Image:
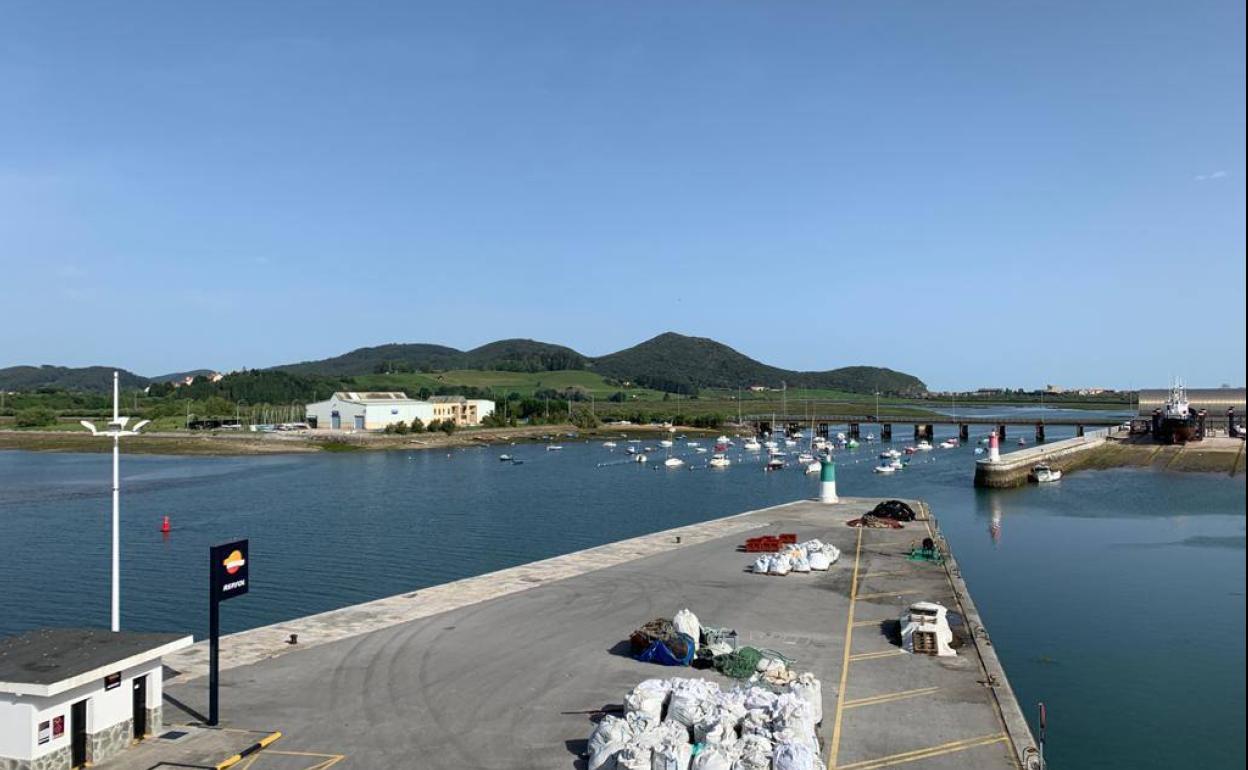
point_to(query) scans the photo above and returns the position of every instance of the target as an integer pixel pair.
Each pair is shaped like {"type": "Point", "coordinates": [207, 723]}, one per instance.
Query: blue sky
{"type": "Point", "coordinates": [980, 193]}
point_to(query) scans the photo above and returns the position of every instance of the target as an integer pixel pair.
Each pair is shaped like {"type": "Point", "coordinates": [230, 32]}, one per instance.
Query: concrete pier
{"type": "Point", "coordinates": [1014, 468]}
{"type": "Point", "coordinates": [508, 670]}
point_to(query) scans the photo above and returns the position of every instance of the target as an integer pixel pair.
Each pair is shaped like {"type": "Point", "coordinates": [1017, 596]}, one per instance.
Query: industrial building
{"type": "Point", "coordinates": [348, 410]}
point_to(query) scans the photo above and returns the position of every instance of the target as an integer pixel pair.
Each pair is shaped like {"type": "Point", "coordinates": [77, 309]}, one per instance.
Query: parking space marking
{"type": "Point", "coordinates": [927, 753]}
{"type": "Point", "coordinates": [849, 638]}
{"type": "Point", "coordinates": [877, 654]}
{"type": "Point", "coordinates": [884, 594]}
{"type": "Point", "coordinates": [889, 697]}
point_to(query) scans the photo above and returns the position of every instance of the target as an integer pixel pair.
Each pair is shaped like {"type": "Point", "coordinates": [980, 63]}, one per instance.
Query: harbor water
{"type": "Point", "coordinates": [1116, 597]}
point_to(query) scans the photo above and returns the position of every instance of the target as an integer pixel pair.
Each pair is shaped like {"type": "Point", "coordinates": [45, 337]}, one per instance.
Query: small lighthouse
{"type": "Point", "coordinates": [994, 448]}
{"type": "Point", "coordinates": [827, 481]}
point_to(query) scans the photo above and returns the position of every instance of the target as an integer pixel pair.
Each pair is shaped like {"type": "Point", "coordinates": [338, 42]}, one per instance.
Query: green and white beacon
{"type": "Point", "coordinates": [827, 481]}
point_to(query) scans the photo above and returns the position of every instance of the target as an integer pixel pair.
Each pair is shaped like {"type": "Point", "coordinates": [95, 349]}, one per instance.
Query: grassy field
{"type": "Point", "coordinates": [524, 383]}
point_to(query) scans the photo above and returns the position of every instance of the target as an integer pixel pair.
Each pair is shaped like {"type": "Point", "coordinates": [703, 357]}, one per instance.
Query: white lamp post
{"type": "Point", "coordinates": [116, 429]}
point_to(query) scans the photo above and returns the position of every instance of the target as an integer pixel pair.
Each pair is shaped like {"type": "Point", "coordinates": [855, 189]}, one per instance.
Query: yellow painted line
{"type": "Point", "coordinates": [927, 753]}
{"type": "Point", "coordinates": [327, 760]}
{"type": "Point", "coordinates": [878, 654]}
{"type": "Point", "coordinates": [252, 749]}
{"type": "Point", "coordinates": [890, 697]}
{"type": "Point", "coordinates": [849, 638]}
{"type": "Point", "coordinates": [883, 594]}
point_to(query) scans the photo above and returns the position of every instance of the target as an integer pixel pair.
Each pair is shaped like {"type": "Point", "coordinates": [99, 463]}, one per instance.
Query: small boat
{"type": "Point", "coordinates": [813, 467]}
{"type": "Point", "coordinates": [949, 444]}
{"type": "Point", "coordinates": [505, 458]}
{"type": "Point", "coordinates": [775, 463]}
{"type": "Point", "coordinates": [790, 442]}
{"type": "Point", "coordinates": [665, 443]}
{"type": "Point", "coordinates": [979, 450]}
{"type": "Point", "coordinates": [609, 444]}
{"type": "Point", "coordinates": [870, 437]}
{"type": "Point", "coordinates": [719, 461]}
{"type": "Point", "coordinates": [723, 440]}
{"type": "Point", "coordinates": [720, 446]}
{"type": "Point", "coordinates": [639, 458]}
{"type": "Point", "coordinates": [700, 450]}
{"type": "Point", "coordinates": [911, 450]}
{"type": "Point", "coordinates": [692, 444]}
{"type": "Point", "coordinates": [632, 450]}
{"type": "Point", "coordinates": [889, 454]}
{"type": "Point", "coordinates": [1043, 474]}
{"type": "Point", "coordinates": [805, 458]}
{"type": "Point", "coordinates": [673, 462]}
{"type": "Point", "coordinates": [554, 448]}
{"type": "Point", "coordinates": [752, 445]}
{"type": "Point", "coordinates": [771, 444]}
{"type": "Point", "coordinates": [884, 468]}
{"type": "Point", "coordinates": [840, 437]}
{"type": "Point", "coordinates": [897, 464]}
{"type": "Point", "coordinates": [852, 443]}
{"type": "Point", "coordinates": [1022, 442]}
{"type": "Point", "coordinates": [923, 446]}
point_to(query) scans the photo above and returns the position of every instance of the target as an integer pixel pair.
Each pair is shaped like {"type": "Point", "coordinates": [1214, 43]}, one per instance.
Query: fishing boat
{"type": "Point", "coordinates": [673, 462]}
{"type": "Point", "coordinates": [889, 454]}
{"type": "Point", "coordinates": [752, 445]}
{"type": "Point", "coordinates": [923, 446]}
{"type": "Point", "coordinates": [719, 461]}
{"type": "Point", "coordinates": [1043, 474]}
{"type": "Point", "coordinates": [721, 446]}
{"type": "Point", "coordinates": [775, 463]}
{"type": "Point", "coordinates": [1175, 422]}
{"type": "Point", "coordinates": [504, 458]}
{"type": "Point", "coordinates": [884, 468]}
{"type": "Point", "coordinates": [609, 444]}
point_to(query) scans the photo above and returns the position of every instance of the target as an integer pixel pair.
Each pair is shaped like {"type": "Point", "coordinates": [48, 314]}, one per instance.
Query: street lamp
{"type": "Point", "coordinates": [116, 429]}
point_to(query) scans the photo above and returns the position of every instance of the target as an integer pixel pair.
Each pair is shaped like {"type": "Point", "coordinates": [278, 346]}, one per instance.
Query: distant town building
{"type": "Point", "coordinates": [348, 410]}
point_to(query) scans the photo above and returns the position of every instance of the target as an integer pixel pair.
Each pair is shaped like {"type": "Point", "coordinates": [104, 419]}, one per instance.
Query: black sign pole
{"type": "Point", "coordinates": [214, 642]}
{"type": "Point", "coordinates": [228, 577]}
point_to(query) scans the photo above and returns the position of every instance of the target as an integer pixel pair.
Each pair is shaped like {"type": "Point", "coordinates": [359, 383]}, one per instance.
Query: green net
{"type": "Point", "coordinates": [742, 663]}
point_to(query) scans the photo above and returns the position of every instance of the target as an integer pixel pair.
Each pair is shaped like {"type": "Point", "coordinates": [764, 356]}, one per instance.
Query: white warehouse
{"type": "Point", "coordinates": [374, 411]}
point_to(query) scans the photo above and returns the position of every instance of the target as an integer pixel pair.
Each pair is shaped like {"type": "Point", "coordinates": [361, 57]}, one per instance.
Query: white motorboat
{"type": "Point", "coordinates": [1043, 474]}
{"type": "Point", "coordinates": [790, 442]}
{"type": "Point", "coordinates": [692, 444]}
{"type": "Point", "coordinates": [609, 444]}
{"type": "Point", "coordinates": [553, 448]}
{"type": "Point", "coordinates": [884, 468]}
{"type": "Point", "coordinates": [752, 445]}
{"type": "Point", "coordinates": [979, 450]}
{"type": "Point", "coordinates": [665, 443]}
{"type": "Point", "coordinates": [632, 450]}
{"type": "Point", "coordinates": [673, 462]}
{"type": "Point", "coordinates": [719, 461]}
{"type": "Point", "coordinates": [840, 437]}
{"type": "Point", "coordinates": [775, 463]}
{"type": "Point", "coordinates": [889, 454]}
{"type": "Point", "coordinates": [700, 450]}
{"type": "Point", "coordinates": [813, 467]}
{"type": "Point", "coordinates": [724, 440]}
{"type": "Point", "coordinates": [639, 458]}
{"type": "Point", "coordinates": [949, 444]}
{"type": "Point", "coordinates": [870, 437]}
{"type": "Point", "coordinates": [771, 444]}
{"type": "Point", "coordinates": [896, 464]}
{"type": "Point", "coordinates": [805, 457]}
{"type": "Point", "coordinates": [923, 446]}
{"type": "Point", "coordinates": [504, 458]}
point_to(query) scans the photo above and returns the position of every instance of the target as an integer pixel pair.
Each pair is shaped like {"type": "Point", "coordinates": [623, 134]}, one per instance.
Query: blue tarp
{"type": "Point", "coordinates": [660, 653]}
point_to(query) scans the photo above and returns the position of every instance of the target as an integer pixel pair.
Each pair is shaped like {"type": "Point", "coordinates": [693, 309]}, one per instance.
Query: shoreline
{"type": "Point", "coordinates": [236, 443]}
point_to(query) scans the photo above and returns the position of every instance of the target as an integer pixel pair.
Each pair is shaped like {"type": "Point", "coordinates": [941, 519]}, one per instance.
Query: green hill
{"type": "Point", "coordinates": [515, 355]}
{"type": "Point", "coordinates": [87, 378]}
{"type": "Point", "coordinates": [676, 363]}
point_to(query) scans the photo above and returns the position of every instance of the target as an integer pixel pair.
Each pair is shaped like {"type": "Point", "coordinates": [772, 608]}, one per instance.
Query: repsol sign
{"type": "Point", "coordinates": [229, 570]}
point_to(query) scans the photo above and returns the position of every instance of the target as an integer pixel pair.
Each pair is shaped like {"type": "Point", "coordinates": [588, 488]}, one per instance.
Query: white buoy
{"type": "Point", "coordinates": [827, 482]}
{"type": "Point", "coordinates": [994, 448]}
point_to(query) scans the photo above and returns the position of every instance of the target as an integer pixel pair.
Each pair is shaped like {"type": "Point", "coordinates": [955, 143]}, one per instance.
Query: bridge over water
{"type": "Point", "coordinates": [924, 427]}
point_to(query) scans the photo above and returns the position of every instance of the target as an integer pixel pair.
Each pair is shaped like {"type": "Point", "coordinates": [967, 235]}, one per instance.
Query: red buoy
{"type": "Point", "coordinates": [164, 525]}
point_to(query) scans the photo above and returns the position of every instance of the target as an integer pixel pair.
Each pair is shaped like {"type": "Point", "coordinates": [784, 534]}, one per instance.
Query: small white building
{"type": "Point", "coordinates": [76, 696]}
{"type": "Point", "coordinates": [367, 411]}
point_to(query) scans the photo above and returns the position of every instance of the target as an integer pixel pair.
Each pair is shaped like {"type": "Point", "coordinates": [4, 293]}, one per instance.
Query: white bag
{"type": "Point", "coordinates": [793, 756]}
{"type": "Point", "coordinates": [634, 757]}
{"type": "Point", "coordinates": [671, 757]}
{"type": "Point", "coordinates": [755, 753]}
{"type": "Point", "coordinates": [648, 698]}
{"type": "Point", "coordinates": [780, 565]}
{"type": "Point", "coordinates": [686, 707]}
{"type": "Point", "coordinates": [800, 564]}
{"type": "Point", "coordinates": [832, 552]}
{"type": "Point", "coordinates": [762, 564]}
{"type": "Point", "coordinates": [713, 758]}
{"type": "Point", "coordinates": [611, 729]}
{"type": "Point", "coordinates": [808, 687]}
{"type": "Point", "coordinates": [604, 757]}
{"type": "Point", "coordinates": [819, 560]}
{"type": "Point", "coordinates": [685, 622]}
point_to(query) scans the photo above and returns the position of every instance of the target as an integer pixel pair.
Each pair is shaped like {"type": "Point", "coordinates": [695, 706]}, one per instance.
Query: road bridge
{"type": "Point", "coordinates": [924, 427]}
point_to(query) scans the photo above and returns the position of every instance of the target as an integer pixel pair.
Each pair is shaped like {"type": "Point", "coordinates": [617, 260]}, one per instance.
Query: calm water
{"type": "Point", "coordinates": [1116, 597]}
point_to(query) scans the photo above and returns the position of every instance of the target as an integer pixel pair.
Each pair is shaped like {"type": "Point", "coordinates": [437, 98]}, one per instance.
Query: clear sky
{"type": "Point", "coordinates": [988, 192]}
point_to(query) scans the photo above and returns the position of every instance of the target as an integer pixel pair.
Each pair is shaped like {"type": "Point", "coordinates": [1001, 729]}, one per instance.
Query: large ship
{"type": "Point", "coordinates": [1176, 422]}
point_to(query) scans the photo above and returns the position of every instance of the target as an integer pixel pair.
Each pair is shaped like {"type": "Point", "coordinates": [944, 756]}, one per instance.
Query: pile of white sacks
{"type": "Point", "coordinates": [691, 724]}
{"type": "Point", "coordinates": [803, 557]}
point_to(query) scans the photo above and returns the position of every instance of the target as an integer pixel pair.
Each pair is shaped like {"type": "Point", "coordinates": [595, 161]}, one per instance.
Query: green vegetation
{"type": "Point", "coordinates": [35, 417]}
{"type": "Point", "coordinates": [85, 379]}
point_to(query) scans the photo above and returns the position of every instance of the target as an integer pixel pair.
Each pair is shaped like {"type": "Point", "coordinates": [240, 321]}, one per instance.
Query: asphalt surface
{"type": "Point", "coordinates": [517, 681]}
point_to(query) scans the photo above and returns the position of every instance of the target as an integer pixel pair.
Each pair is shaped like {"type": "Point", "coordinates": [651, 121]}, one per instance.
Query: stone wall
{"type": "Point", "coordinates": [60, 759]}
{"type": "Point", "coordinates": [1014, 468]}
{"type": "Point", "coordinates": [109, 742]}
{"type": "Point", "coordinates": [155, 720]}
